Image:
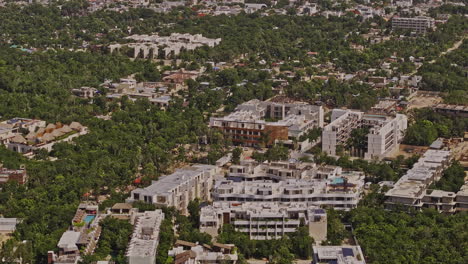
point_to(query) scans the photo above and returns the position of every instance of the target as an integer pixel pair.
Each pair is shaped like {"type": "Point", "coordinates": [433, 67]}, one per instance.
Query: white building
{"type": "Point", "coordinates": [411, 190]}
{"type": "Point", "coordinates": [385, 132]}
{"type": "Point", "coordinates": [416, 24]}
{"type": "Point", "coordinates": [143, 245]}
{"type": "Point", "coordinates": [150, 46]}
{"type": "Point", "coordinates": [263, 221]}
{"type": "Point", "coordinates": [340, 192]}
{"type": "Point", "coordinates": [178, 188]}
{"type": "Point", "coordinates": [191, 253]}
{"type": "Point", "coordinates": [250, 170]}
{"type": "Point", "coordinates": [338, 255]}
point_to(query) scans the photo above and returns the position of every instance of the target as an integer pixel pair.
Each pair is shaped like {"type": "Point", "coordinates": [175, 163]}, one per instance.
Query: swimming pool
{"type": "Point", "coordinates": [89, 218]}
{"type": "Point", "coordinates": [338, 181]}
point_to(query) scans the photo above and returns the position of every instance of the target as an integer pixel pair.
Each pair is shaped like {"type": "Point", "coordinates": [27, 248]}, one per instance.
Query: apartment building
{"type": "Point", "coordinates": [462, 198]}
{"type": "Point", "coordinates": [191, 253]}
{"type": "Point", "coordinates": [154, 46]}
{"type": "Point", "coordinates": [341, 192]}
{"type": "Point", "coordinates": [418, 25]}
{"type": "Point", "coordinates": [338, 255]}
{"type": "Point", "coordinates": [142, 248]}
{"type": "Point", "coordinates": [256, 122]}
{"type": "Point", "coordinates": [264, 221]}
{"type": "Point", "coordinates": [250, 170]}
{"type": "Point", "coordinates": [385, 131]}
{"type": "Point", "coordinates": [412, 189]}
{"type": "Point", "coordinates": [337, 133]}
{"type": "Point", "coordinates": [178, 188]}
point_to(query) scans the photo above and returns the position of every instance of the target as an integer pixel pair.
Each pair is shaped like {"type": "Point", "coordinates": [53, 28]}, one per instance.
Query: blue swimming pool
{"type": "Point", "coordinates": [338, 181]}
{"type": "Point", "coordinates": [89, 218]}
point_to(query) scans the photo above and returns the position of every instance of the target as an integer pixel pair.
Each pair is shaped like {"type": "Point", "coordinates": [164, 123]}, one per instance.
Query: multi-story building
{"type": "Point", "coordinates": [337, 133]}
{"type": "Point", "coordinates": [250, 170]}
{"type": "Point", "coordinates": [178, 188]}
{"type": "Point", "coordinates": [248, 124]}
{"type": "Point", "coordinates": [191, 253]}
{"type": "Point", "coordinates": [338, 255]}
{"type": "Point", "coordinates": [411, 190]}
{"type": "Point", "coordinates": [143, 245]}
{"type": "Point", "coordinates": [152, 46]}
{"type": "Point", "coordinates": [462, 198]}
{"type": "Point", "coordinates": [81, 238]}
{"type": "Point", "coordinates": [264, 221]}
{"type": "Point", "coordinates": [385, 131]}
{"type": "Point", "coordinates": [20, 176]}
{"type": "Point", "coordinates": [326, 188]}
{"type": "Point", "coordinates": [416, 24]}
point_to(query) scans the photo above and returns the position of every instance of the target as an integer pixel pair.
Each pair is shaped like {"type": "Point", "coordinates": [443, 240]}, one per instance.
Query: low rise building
{"type": "Point", "coordinates": [264, 221]}
{"type": "Point", "coordinates": [84, 92]}
{"type": "Point", "coordinates": [338, 255]}
{"type": "Point", "coordinates": [20, 176]}
{"type": "Point", "coordinates": [191, 253]}
{"type": "Point", "coordinates": [25, 125]}
{"type": "Point", "coordinates": [152, 46]}
{"type": "Point", "coordinates": [178, 188]}
{"type": "Point", "coordinates": [8, 225]}
{"type": "Point", "coordinates": [45, 137]}
{"type": "Point", "coordinates": [143, 245]}
{"type": "Point", "coordinates": [412, 189]}
{"type": "Point", "coordinates": [81, 238]}
{"type": "Point", "coordinates": [453, 110]}
{"type": "Point", "coordinates": [264, 122]}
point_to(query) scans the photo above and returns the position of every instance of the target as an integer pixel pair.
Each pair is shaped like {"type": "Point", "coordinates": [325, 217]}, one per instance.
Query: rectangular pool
{"type": "Point", "coordinates": [89, 218]}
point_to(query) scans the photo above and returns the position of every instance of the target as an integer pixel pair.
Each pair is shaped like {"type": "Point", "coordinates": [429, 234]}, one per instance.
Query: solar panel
{"type": "Point", "coordinates": [348, 252]}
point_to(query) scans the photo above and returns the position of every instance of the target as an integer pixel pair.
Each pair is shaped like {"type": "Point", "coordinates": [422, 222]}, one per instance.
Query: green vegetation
{"type": "Point", "coordinates": [336, 231]}
{"type": "Point", "coordinates": [113, 241]}
{"type": "Point", "coordinates": [283, 250]}
{"type": "Point", "coordinates": [393, 237]}
{"type": "Point", "coordinates": [140, 139]}
{"type": "Point", "coordinates": [275, 153]}
{"type": "Point", "coordinates": [452, 179]}
{"type": "Point", "coordinates": [448, 73]}
{"type": "Point", "coordinates": [430, 125]}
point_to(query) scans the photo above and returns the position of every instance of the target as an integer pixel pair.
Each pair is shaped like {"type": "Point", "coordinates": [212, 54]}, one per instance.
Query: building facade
{"type": "Point", "coordinates": [386, 131]}
{"type": "Point", "coordinates": [248, 124]}
{"type": "Point", "coordinates": [264, 221]}
{"type": "Point", "coordinates": [291, 182]}
{"type": "Point", "coordinates": [179, 188]}
{"type": "Point", "coordinates": [416, 24]}
{"type": "Point", "coordinates": [412, 189]}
